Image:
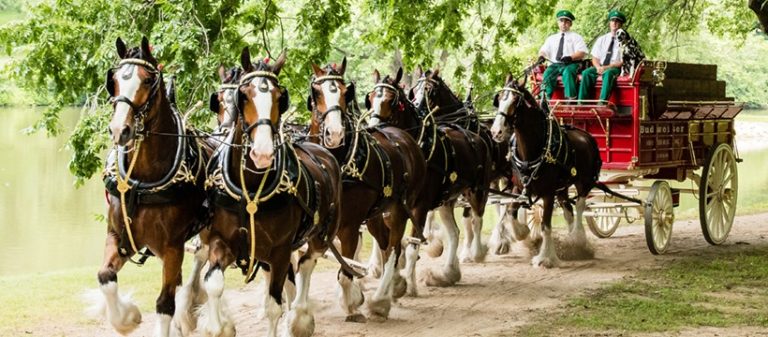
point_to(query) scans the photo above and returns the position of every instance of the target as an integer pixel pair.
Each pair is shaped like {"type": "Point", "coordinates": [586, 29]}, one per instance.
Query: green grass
{"type": "Point", "coordinates": [720, 291]}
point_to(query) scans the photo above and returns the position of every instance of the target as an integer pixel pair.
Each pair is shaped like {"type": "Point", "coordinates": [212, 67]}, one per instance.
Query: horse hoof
{"type": "Point", "coordinates": [502, 248]}
{"type": "Point", "coordinates": [543, 262]}
{"type": "Point", "coordinates": [445, 279]}
{"type": "Point", "coordinates": [379, 309]}
{"type": "Point", "coordinates": [130, 321]}
{"type": "Point", "coordinates": [356, 318]}
{"type": "Point", "coordinates": [301, 322]}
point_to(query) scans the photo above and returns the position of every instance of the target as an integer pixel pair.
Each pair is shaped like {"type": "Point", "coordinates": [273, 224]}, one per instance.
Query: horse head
{"type": "Point", "coordinates": [223, 102]}
{"type": "Point", "coordinates": [133, 86]}
{"type": "Point", "coordinates": [385, 99]}
{"type": "Point", "coordinates": [328, 100]}
{"type": "Point", "coordinates": [431, 92]}
{"type": "Point", "coordinates": [508, 102]}
{"type": "Point", "coordinates": [261, 101]}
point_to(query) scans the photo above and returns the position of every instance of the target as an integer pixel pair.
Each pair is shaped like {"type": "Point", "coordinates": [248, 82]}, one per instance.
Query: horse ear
{"type": "Point", "coordinates": [222, 72]}
{"type": "Point", "coordinates": [496, 100]}
{"type": "Point", "coordinates": [315, 69]}
{"type": "Point", "coordinates": [521, 82]}
{"type": "Point", "coordinates": [309, 102]}
{"type": "Point", "coordinates": [121, 49]}
{"type": "Point", "coordinates": [508, 79]}
{"type": "Point", "coordinates": [349, 96]}
{"type": "Point", "coordinates": [417, 74]}
{"type": "Point", "coordinates": [399, 75]}
{"type": "Point", "coordinates": [376, 76]}
{"type": "Point", "coordinates": [280, 62]}
{"type": "Point", "coordinates": [213, 103]}
{"type": "Point", "coordinates": [435, 73]}
{"type": "Point", "coordinates": [285, 101]}
{"type": "Point", "coordinates": [245, 60]}
{"type": "Point", "coordinates": [110, 83]}
{"type": "Point", "coordinates": [410, 94]}
{"type": "Point", "coordinates": [145, 50]}
{"type": "Point", "coordinates": [343, 66]}
{"type": "Point", "coordinates": [368, 102]}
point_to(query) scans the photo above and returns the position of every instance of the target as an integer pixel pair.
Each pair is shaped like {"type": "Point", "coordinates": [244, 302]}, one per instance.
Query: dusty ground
{"type": "Point", "coordinates": [493, 298]}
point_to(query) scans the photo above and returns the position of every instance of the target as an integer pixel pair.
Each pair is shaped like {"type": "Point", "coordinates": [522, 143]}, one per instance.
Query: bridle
{"type": "Point", "coordinates": [510, 119]}
{"type": "Point", "coordinates": [139, 111]}
{"type": "Point", "coordinates": [262, 87]}
{"type": "Point", "coordinates": [380, 87]}
{"type": "Point", "coordinates": [322, 114]}
{"type": "Point", "coordinates": [230, 101]}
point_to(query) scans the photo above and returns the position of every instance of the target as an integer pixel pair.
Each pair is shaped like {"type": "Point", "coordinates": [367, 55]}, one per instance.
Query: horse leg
{"type": "Point", "coordinates": [477, 201]}
{"type": "Point", "coordinates": [469, 236]}
{"type": "Point", "coordinates": [189, 294]}
{"type": "Point", "coordinates": [375, 263]}
{"type": "Point", "coordinates": [120, 311]}
{"type": "Point", "coordinates": [289, 289]}
{"type": "Point", "coordinates": [433, 235]}
{"type": "Point", "coordinates": [351, 296]}
{"type": "Point", "coordinates": [565, 204]}
{"type": "Point", "coordinates": [419, 216]}
{"type": "Point", "coordinates": [215, 320]}
{"type": "Point", "coordinates": [172, 257]}
{"type": "Point", "coordinates": [576, 246]}
{"type": "Point", "coordinates": [520, 228]}
{"type": "Point", "coordinates": [547, 257]}
{"type": "Point", "coordinates": [279, 266]}
{"type": "Point", "coordinates": [392, 285]}
{"type": "Point", "coordinates": [301, 322]}
{"type": "Point", "coordinates": [451, 272]}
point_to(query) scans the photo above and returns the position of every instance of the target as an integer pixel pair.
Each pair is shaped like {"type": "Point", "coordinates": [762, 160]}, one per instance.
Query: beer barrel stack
{"type": "Point", "coordinates": [684, 82]}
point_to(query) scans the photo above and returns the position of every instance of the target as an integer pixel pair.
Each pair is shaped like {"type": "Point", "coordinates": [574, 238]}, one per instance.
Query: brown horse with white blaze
{"type": "Point", "coordinates": [382, 171]}
{"type": "Point", "coordinates": [271, 197]}
{"type": "Point", "coordinates": [155, 182]}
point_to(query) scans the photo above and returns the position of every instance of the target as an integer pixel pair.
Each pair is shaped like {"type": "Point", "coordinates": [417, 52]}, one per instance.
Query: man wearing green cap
{"type": "Point", "coordinates": [563, 50]}
{"type": "Point", "coordinates": [606, 60]}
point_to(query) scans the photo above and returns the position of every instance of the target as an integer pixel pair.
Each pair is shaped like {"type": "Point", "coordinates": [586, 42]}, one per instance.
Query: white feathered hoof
{"type": "Point", "coordinates": [356, 318]}
{"type": "Point", "coordinates": [129, 320]}
{"type": "Point", "coordinates": [478, 256]}
{"type": "Point", "coordinates": [520, 231]}
{"type": "Point", "coordinates": [301, 322]}
{"type": "Point", "coordinates": [447, 278]}
{"type": "Point", "coordinates": [224, 327]}
{"type": "Point", "coordinates": [539, 261]}
{"type": "Point", "coordinates": [183, 319]}
{"type": "Point", "coordinates": [434, 248]}
{"type": "Point", "coordinates": [501, 247]}
{"type": "Point", "coordinates": [374, 270]}
{"type": "Point", "coordinates": [379, 309]}
{"type": "Point", "coordinates": [399, 286]}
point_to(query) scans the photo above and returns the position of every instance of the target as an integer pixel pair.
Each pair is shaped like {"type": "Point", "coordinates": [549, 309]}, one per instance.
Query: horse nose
{"type": "Point", "coordinates": [126, 135]}
{"type": "Point", "coordinates": [332, 137]}
{"type": "Point", "coordinates": [262, 159]}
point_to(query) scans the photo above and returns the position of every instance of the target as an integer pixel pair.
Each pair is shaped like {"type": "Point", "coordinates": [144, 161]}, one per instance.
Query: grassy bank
{"type": "Point", "coordinates": [722, 290]}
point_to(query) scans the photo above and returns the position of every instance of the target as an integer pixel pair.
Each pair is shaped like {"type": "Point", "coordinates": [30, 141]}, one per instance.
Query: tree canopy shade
{"type": "Point", "coordinates": [64, 47]}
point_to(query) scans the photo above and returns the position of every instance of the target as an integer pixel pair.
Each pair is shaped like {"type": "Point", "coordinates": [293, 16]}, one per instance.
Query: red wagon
{"type": "Point", "coordinates": [665, 122]}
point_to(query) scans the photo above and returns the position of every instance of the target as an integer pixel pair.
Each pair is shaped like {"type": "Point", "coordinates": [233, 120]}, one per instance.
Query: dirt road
{"type": "Point", "coordinates": [492, 299]}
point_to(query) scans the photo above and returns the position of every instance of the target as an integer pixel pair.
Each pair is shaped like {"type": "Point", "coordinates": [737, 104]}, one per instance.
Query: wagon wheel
{"type": "Point", "coordinates": [659, 217]}
{"type": "Point", "coordinates": [717, 194]}
{"type": "Point", "coordinates": [606, 223]}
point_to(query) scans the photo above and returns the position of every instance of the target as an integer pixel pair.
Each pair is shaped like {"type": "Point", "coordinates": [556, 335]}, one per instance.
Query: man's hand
{"type": "Point", "coordinates": [566, 59]}
{"type": "Point", "coordinates": [600, 70]}
{"type": "Point", "coordinates": [541, 60]}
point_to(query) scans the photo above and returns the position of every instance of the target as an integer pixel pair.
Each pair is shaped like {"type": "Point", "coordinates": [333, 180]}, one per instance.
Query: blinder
{"type": "Point", "coordinates": [213, 103]}
{"type": "Point", "coordinates": [110, 83]}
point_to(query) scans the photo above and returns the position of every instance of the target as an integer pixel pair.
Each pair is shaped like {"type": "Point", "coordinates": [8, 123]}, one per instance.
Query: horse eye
{"type": "Point", "coordinates": [147, 81]}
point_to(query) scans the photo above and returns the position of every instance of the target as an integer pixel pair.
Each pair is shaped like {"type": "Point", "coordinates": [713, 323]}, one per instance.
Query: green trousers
{"type": "Point", "coordinates": [569, 72]}
{"type": "Point", "coordinates": [589, 78]}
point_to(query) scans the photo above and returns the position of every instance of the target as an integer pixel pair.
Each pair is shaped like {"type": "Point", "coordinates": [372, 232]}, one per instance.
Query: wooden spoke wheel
{"type": "Point", "coordinates": [659, 217]}
{"type": "Point", "coordinates": [718, 191]}
{"type": "Point", "coordinates": [605, 223]}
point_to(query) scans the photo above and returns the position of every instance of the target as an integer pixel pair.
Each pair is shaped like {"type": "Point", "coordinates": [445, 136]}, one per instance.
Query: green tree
{"type": "Point", "coordinates": [63, 49]}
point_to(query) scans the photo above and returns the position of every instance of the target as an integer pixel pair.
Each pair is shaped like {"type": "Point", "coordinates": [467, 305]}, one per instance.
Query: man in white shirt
{"type": "Point", "coordinates": [563, 50]}
{"type": "Point", "coordinates": [606, 60]}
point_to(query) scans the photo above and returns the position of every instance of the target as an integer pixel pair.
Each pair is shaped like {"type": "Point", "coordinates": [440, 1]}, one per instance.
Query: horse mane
{"type": "Point", "coordinates": [233, 75]}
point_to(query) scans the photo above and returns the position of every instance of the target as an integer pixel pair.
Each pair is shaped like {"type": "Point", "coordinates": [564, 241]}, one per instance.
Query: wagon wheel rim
{"type": "Point", "coordinates": [606, 223]}
{"type": "Point", "coordinates": [659, 217]}
{"type": "Point", "coordinates": [718, 194]}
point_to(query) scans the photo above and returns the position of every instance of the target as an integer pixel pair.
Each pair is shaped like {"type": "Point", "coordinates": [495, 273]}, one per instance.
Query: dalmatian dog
{"type": "Point", "coordinates": [631, 54]}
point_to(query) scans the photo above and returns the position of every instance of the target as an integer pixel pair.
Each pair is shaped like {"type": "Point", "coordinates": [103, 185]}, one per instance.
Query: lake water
{"type": "Point", "coordinates": [47, 224]}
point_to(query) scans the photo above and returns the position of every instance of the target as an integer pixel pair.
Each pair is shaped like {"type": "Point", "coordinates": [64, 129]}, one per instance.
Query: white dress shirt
{"type": "Point", "coordinates": [573, 43]}
{"type": "Point", "coordinates": [600, 48]}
